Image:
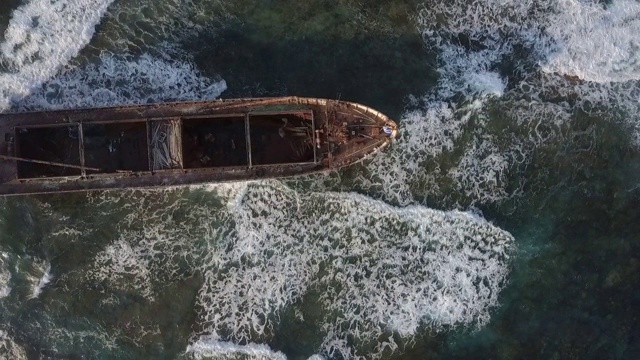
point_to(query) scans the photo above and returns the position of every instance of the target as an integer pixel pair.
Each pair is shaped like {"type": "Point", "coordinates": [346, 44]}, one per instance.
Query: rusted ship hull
{"type": "Point", "coordinates": [169, 144]}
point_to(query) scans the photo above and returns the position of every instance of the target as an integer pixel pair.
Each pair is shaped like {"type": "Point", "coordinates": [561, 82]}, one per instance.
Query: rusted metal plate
{"type": "Point", "coordinates": [185, 143]}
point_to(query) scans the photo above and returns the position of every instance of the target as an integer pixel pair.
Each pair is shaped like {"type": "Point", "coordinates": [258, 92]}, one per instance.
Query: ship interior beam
{"type": "Point", "coordinates": [149, 146]}
{"type": "Point", "coordinates": [83, 170]}
{"type": "Point", "coordinates": [314, 140]}
{"type": "Point", "coordinates": [51, 151]}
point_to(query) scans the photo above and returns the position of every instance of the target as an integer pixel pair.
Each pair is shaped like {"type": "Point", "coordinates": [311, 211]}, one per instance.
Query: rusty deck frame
{"type": "Point", "coordinates": [326, 116]}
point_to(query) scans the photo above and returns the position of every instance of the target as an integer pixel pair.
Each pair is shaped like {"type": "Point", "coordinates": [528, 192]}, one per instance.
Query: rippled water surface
{"type": "Point", "coordinates": [502, 224]}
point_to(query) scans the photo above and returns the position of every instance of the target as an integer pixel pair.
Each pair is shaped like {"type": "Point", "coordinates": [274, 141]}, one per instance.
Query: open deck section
{"type": "Point", "coordinates": [48, 145]}
{"type": "Point", "coordinates": [214, 141]}
{"type": "Point", "coordinates": [178, 143]}
{"type": "Point", "coordinates": [143, 145]}
{"type": "Point", "coordinates": [112, 147]}
{"type": "Point", "coordinates": [167, 144]}
{"type": "Point", "coordinates": [282, 138]}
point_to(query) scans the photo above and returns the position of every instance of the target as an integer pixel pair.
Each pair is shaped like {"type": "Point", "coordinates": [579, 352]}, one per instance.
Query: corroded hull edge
{"type": "Point", "coordinates": [340, 133]}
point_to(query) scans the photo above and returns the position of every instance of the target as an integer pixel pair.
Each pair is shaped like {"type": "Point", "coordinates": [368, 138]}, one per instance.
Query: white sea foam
{"type": "Point", "coordinates": [45, 268]}
{"type": "Point", "coordinates": [43, 36]}
{"type": "Point", "coordinates": [9, 349]}
{"type": "Point", "coordinates": [71, 335]}
{"type": "Point", "coordinates": [420, 162]}
{"type": "Point", "coordinates": [207, 348]}
{"type": "Point", "coordinates": [486, 83]}
{"type": "Point", "coordinates": [397, 269]}
{"type": "Point", "coordinates": [384, 268]}
{"type": "Point", "coordinates": [123, 266]}
{"type": "Point", "coordinates": [157, 237]}
{"type": "Point", "coordinates": [264, 269]}
{"type": "Point", "coordinates": [5, 276]}
{"type": "Point", "coordinates": [596, 42]}
{"type": "Point", "coordinates": [261, 250]}
{"type": "Point", "coordinates": [118, 80]}
{"type": "Point", "coordinates": [67, 232]}
{"type": "Point", "coordinates": [425, 134]}
{"type": "Point", "coordinates": [539, 43]}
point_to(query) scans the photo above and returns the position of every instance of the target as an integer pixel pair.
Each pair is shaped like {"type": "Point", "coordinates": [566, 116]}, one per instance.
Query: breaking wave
{"type": "Point", "coordinates": [514, 76]}
{"type": "Point", "coordinates": [40, 42]}
{"type": "Point", "coordinates": [376, 269]}
{"type": "Point", "coordinates": [213, 349]}
{"type": "Point", "coordinates": [383, 268]}
{"type": "Point", "coordinates": [9, 349]}
{"type": "Point", "coordinates": [39, 284]}
{"type": "Point", "coordinates": [41, 37]}
{"type": "Point", "coordinates": [119, 80]}
{"type": "Point", "coordinates": [600, 45]}
{"type": "Point", "coordinates": [5, 276]}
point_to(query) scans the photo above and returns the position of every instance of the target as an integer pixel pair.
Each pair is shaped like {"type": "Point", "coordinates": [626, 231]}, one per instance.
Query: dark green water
{"type": "Point", "coordinates": [501, 116]}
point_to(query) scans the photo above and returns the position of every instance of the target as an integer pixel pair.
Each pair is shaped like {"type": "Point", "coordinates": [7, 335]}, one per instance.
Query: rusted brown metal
{"type": "Point", "coordinates": [52, 163]}
{"type": "Point", "coordinates": [247, 129]}
{"type": "Point", "coordinates": [215, 141]}
{"type": "Point", "coordinates": [83, 169]}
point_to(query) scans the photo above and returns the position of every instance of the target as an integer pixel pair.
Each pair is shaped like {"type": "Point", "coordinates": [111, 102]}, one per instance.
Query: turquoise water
{"type": "Point", "coordinates": [502, 224]}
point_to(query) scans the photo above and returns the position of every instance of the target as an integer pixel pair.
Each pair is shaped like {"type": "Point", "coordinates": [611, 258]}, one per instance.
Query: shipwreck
{"type": "Point", "coordinates": [169, 144]}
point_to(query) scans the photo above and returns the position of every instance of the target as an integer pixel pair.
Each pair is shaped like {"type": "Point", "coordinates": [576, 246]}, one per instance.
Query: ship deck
{"type": "Point", "coordinates": [89, 147]}
{"type": "Point", "coordinates": [179, 143]}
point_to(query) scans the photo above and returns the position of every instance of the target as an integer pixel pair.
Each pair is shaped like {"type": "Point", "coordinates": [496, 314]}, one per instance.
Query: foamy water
{"type": "Point", "coordinates": [43, 36]}
{"type": "Point", "coordinates": [40, 41]}
{"type": "Point", "coordinates": [5, 275]}
{"type": "Point", "coordinates": [9, 349]}
{"type": "Point", "coordinates": [384, 268]}
{"type": "Point", "coordinates": [263, 247]}
{"type": "Point", "coordinates": [242, 300]}
{"type": "Point", "coordinates": [595, 42]}
{"type": "Point", "coordinates": [213, 349]}
{"type": "Point", "coordinates": [45, 268]}
{"type": "Point", "coordinates": [118, 80]}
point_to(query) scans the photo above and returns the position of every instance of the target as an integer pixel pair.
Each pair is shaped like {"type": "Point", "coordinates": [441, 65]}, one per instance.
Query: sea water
{"type": "Point", "coordinates": [501, 224]}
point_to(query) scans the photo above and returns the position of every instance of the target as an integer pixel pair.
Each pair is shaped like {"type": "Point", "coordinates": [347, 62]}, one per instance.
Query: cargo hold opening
{"type": "Point", "coordinates": [215, 141]}
{"type": "Point", "coordinates": [54, 144]}
{"type": "Point", "coordinates": [115, 147]}
{"type": "Point", "coordinates": [284, 138]}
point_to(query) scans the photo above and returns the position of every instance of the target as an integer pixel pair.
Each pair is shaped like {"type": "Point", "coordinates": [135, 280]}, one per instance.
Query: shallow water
{"type": "Point", "coordinates": [503, 223]}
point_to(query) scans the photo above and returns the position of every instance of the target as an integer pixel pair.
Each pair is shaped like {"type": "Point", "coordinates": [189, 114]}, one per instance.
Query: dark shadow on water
{"type": "Point", "coordinates": [376, 70]}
